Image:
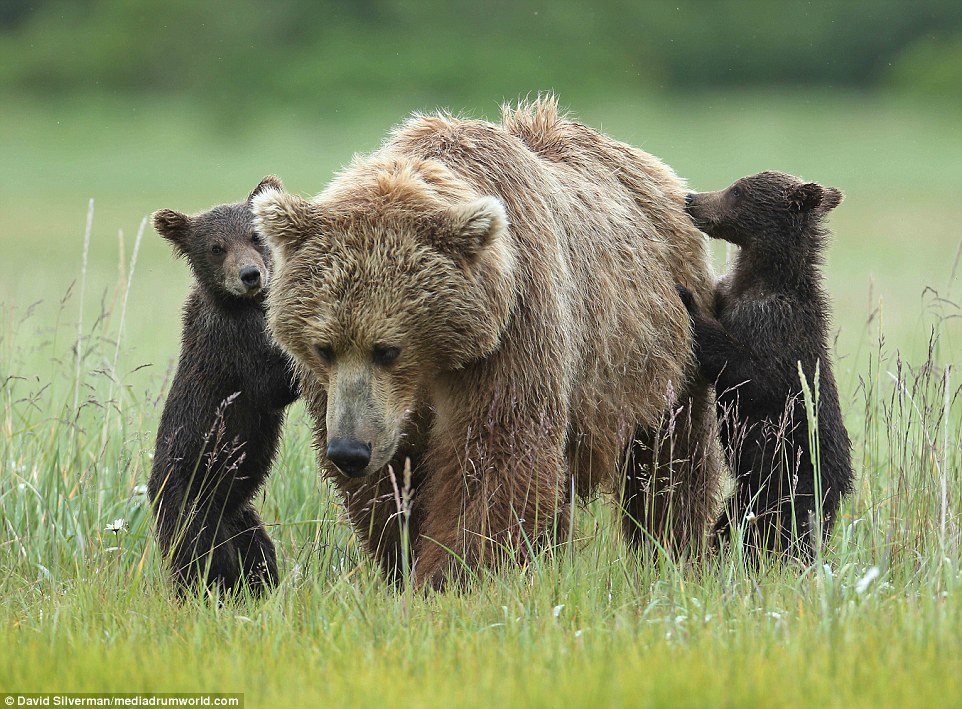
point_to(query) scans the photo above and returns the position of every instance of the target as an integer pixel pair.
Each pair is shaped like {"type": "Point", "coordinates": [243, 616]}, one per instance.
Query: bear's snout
{"type": "Point", "coordinates": [692, 206]}
{"type": "Point", "coordinates": [350, 456]}
{"type": "Point", "coordinates": [702, 209]}
{"type": "Point", "coordinates": [251, 277]}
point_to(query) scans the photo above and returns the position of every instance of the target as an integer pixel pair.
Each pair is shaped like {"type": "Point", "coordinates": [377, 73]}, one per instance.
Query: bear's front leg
{"type": "Point", "coordinates": [490, 502]}
{"type": "Point", "coordinates": [277, 385]}
{"type": "Point", "coordinates": [725, 361]}
{"type": "Point", "coordinates": [714, 349]}
{"type": "Point", "coordinates": [384, 510]}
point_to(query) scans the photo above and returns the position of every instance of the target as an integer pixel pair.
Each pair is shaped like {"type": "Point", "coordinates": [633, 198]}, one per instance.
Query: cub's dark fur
{"type": "Point", "coordinates": [771, 313]}
{"type": "Point", "coordinates": [222, 421]}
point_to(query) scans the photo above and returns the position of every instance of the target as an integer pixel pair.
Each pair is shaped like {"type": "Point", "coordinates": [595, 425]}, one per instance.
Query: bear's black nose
{"type": "Point", "coordinates": [250, 276]}
{"type": "Point", "coordinates": [350, 456]}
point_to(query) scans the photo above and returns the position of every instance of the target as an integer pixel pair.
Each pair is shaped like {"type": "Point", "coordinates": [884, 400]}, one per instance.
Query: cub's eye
{"type": "Point", "coordinates": [325, 353]}
{"type": "Point", "coordinates": [217, 250]}
{"type": "Point", "coordinates": [256, 238]}
{"type": "Point", "coordinates": [736, 192]}
{"type": "Point", "coordinates": [385, 355]}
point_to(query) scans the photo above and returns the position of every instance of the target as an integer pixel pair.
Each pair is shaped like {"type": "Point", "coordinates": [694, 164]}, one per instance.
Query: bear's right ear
{"type": "Point", "coordinates": [271, 182]}
{"type": "Point", "coordinates": [175, 227]}
{"type": "Point", "coordinates": [466, 230]}
{"type": "Point", "coordinates": [812, 196]}
{"type": "Point", "coordinates": [831, 198]}
{"type": "Point", "coordinates": [285, 219]}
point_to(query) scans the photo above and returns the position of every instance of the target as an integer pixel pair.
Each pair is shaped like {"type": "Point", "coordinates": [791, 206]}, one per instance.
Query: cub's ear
{"type": "Point", "coordinates": [285, 219]}
{"type": "Point", "coordinates": [812, 195]}
{"type": "Point", "coordinates": [805, 198]}
{"type": "Point", "coordinates": [175, 227]}
{"type": "Point", "coordinates": [466, 230]}
{"type": "Point", "coordinates": [270, 182]}
{"type": "Point", "coordinates": [831, 198]}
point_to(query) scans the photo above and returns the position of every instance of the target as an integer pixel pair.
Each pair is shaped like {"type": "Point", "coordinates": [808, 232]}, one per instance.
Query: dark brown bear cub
{"type": "Point", "coordinates": [771, 313]}
{"type": "Point", "coordinates": [222, 421]}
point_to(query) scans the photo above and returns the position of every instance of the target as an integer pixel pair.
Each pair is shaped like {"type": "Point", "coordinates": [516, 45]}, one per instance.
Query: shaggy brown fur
{"type": "Point", "coordinates": [496, 303]}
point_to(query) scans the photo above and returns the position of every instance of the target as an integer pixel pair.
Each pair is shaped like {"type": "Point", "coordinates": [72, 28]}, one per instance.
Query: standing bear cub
{"type": "Point", "coordinates": [772, 316]}
{"type": "Point", "coordinates": [220, 426]}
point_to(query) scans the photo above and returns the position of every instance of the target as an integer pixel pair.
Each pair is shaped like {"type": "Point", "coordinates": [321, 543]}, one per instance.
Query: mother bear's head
{"type": "Point", "coordinates": [393, 275]}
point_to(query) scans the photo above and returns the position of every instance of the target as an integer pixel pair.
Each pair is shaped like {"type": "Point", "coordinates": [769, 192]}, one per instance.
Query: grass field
{"type": "Point", "coordinates": [86, 356]}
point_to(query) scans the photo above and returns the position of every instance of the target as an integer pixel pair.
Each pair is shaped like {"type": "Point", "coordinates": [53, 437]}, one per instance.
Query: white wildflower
{"type": "Point", "coordinates": [556, 611]}
{"type": "Point", "coordinates": [295, 574]}
{"type": "Point", "coordinates": [117, 526]}
{"type": "Point", "coordinates": [863, 583]}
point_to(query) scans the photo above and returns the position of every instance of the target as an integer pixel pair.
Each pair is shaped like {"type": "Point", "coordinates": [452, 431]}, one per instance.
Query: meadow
{"type": "Point", "coordinates": [88, 341]}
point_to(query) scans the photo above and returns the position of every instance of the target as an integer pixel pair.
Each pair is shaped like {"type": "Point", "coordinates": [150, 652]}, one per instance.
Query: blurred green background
{"type": "Point", "coordinates": [143, 104]}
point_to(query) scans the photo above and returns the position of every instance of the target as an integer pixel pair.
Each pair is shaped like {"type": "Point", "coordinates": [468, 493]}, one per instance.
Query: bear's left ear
{"type": "Point", "coordinates": [466, 230]}
{"type": "Point", "coordinates": [271, 182]}
{"type": "Point", "coordinates": [812, 195]}
{"type": "Point", "coordinates": [285, 219]}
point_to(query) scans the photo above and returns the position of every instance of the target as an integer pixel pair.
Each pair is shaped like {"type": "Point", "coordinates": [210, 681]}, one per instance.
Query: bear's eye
{"type": "Point", "coordinates": [385, 354]}
{"type": "Point", "coordinates": [325, 353]}
{"type": "Point", "coordinates": [217, 249]}
{"type": "Point", "coordinates": [736, 192]}
{"type": "Point", "coordinates": [256, 238]}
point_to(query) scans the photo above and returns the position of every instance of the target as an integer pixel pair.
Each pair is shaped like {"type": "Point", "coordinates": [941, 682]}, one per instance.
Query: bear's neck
{"type": "Point", "coordinates": [231, 305]}
{"type": "Point", "coordinates": [779, 263]}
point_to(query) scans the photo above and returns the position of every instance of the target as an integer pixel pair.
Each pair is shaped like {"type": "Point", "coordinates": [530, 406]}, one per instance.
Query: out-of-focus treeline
{"type": "Point", "coordinates": [310, 52]}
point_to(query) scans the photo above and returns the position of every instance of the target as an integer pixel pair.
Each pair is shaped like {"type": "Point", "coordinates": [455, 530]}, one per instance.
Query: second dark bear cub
{"type": "Point", "coordinates": [771, 313]}
{"type": "Point", "coordinates": [222, 420]}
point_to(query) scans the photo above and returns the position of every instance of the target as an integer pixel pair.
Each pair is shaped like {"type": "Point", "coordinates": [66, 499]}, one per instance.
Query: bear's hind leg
{"type": "Point", "coordinates": [671, 479]}
{"type": "Point", "coordinates": [258, 559]}
{"type": "Point", "coordinates": [198, 540]}
{"type": "Point", "coordinates": [202, 553]}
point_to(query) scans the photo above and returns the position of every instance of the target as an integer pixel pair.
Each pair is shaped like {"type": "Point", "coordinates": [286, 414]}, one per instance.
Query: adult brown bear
{"type": "Point", "coordinates": [494, 306]}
